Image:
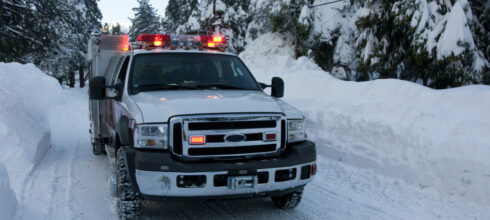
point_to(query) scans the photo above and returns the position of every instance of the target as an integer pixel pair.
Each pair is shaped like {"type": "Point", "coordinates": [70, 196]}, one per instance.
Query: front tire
{"type": "Point", "coordinates": [288, 201]}
{"type": "Point", "coordinates": [128, 201]}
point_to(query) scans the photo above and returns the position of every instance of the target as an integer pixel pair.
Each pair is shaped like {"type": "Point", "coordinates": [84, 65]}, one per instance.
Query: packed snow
{"type": "Point", "coordinates": [27, 94]}
{"type": "Point", "coordinates": [387, 149]}
{"type": "Point", "coordinates": [8, 202]}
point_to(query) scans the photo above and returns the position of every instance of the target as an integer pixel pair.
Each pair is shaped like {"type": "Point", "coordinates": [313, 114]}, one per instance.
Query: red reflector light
{"type": "Point", "coordinates": [196, 140]}
{"type": "Point", "coordinates": [270, 137]}
{"type": "Point", "coordinates": [313, 169]}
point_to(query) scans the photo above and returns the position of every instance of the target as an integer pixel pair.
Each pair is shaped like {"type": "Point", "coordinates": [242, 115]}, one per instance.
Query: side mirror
{"type": "Point", "coordinates": [277, 87]}
{"type": "Point", "coordinates": [97, 88]}
{"type": "Point", "coordinates": [263, 85]}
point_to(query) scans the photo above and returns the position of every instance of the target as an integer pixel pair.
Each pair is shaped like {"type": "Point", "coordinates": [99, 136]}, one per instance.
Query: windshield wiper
{"type": "Point", "coordinates": [220, 86]}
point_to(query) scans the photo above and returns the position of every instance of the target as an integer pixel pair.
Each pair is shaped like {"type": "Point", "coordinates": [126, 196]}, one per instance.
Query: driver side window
{"type": "Point", "coordinates": [122, 73]}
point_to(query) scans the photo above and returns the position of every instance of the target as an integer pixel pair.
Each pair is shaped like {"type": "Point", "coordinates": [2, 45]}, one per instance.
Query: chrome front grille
{"type": "Point", "coordinates": [216, 129]}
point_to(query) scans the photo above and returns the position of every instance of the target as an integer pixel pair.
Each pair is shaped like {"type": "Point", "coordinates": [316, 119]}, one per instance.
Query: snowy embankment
{"type": "Point", "coordinates": [430, 138]}
{"type": "Point", "coordinates": [8, 202]}
{"type": "Point", "coordinates": [26, 96]}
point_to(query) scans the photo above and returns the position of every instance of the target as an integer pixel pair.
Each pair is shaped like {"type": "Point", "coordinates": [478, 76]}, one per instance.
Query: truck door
{"type": "Point", "coordinates": [112, 111]}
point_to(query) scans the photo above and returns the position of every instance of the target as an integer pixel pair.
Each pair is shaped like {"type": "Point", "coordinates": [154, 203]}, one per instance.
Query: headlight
{"type": "Point", "coordinates": [296, 130]}
{"type": "Point", "coordinates": [151, 136]}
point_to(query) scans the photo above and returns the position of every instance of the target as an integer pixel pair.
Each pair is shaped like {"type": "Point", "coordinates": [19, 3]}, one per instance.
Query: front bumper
{"type": "Point", "coordinates": [155, 174]}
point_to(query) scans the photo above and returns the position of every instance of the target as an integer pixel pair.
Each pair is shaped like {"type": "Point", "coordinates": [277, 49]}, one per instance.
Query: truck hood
{"type": "Point", "coordinates": [159, 106]}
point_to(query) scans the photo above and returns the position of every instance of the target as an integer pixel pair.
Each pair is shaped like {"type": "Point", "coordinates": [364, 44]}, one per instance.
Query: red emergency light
{"type": "Point", "coordinates": [216, 41]}
{"type": "Point", "coordinates": [152, 40]}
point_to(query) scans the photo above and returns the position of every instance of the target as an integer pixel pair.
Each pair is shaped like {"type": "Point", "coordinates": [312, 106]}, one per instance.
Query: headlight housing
{"type": "Point", "coordinates": [296, 130]}
{"type": "Point", "coordinates": [151, 136]}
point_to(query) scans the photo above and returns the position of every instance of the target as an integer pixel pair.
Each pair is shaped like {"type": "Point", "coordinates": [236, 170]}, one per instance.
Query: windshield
{"type": "Point", "coordinates": [170, 71]}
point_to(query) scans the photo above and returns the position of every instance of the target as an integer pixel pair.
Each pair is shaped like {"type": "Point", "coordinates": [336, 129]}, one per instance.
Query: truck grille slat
{"type": "Point", "coordinates": [221, 138]}
{"type": "Point", "coordinates": [221, 131]}
{"type": "Point", "coordinates": [254, 137]}
{"type": "Point", "coordinates": [196, 126]}
{"type": "Point", "coordinates": [231, 150]}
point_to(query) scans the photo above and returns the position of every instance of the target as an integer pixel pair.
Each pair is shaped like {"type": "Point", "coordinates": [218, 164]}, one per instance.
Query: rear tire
{"type": "Point", "coordinates": [128, 201]}
{"type": "Point", "coordinates": [288, 201]}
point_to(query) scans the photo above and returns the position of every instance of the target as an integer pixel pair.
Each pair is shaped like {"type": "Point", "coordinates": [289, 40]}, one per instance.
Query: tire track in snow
{"type": "Point", "coordinates": [35, 203]}
{"type": "Point", "coordinates": [60, 186]}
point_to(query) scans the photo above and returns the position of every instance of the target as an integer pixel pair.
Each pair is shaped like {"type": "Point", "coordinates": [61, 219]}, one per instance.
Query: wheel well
{"type": "Point", "coordinates": [117, 143]}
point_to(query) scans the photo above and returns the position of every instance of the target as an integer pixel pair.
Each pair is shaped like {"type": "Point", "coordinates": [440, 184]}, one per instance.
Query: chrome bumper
{"type": "Point", "coordinates": [157, 183]}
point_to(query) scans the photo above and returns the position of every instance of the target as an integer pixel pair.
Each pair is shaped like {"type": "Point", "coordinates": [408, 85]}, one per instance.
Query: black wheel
{"type": "Point", "coordinates": [98, 147]}
{"type": "Point", "coordinates": [288, 201]}
{"type": "Point", "coordinates": [128, 201]}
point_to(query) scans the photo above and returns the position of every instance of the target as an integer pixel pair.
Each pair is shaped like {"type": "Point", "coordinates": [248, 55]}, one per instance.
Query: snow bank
{"type": "Point", "coordinates": [26, 96]}
{"type": "Point", "coordinates": [436, 138]}
{"type": "Point", "coordinates": [8, 202]}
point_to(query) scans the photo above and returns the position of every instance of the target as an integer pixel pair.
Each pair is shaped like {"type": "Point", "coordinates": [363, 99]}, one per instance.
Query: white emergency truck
{"type": "Point", "coordinates": [180, 118]}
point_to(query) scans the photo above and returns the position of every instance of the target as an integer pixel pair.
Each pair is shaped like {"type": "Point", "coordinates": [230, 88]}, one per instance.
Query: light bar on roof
{"type": "Point", "coordinates": [150, 41]}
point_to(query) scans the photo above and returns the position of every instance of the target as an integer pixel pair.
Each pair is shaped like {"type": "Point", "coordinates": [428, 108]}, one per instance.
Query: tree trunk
{"type": "Point", "coordinates": [214, 7]}
{"type": "Point", "coordinates": [72, 79]}
{"type": "Point", "coordinates": [1, 14]}
{"type": "Point", "coordinates": [81, 75]}
{"type": "Point", "coordinates": [60, 80]}
{"type": "Point", "coordinates": [296, 41]}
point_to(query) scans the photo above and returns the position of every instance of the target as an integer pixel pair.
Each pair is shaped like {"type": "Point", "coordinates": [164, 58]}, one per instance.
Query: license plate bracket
{"type": "Point", "coordinates": [241, 182]}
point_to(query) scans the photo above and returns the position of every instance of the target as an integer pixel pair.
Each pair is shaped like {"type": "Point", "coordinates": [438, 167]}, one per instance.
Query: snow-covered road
{"type": "Point", "coordinates": [71, 183]}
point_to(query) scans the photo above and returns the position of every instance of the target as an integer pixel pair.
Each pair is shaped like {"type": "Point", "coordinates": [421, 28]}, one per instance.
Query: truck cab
{"type": "Point", "coordinates": [180, 118]}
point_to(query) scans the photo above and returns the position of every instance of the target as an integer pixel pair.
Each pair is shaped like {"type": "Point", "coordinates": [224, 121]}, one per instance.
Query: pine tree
{"type": "Point", "coordinates": [384, 41]}
{"type": "Point", "coordinates": [106, 28]}
{"type": "Point", "coordinates": [229, 18]}
{"type": "Point", "coordinates": [293, 19]}
{"type": "Point", "coordinates": [52, 34]}
{"type": "Point", "coordinates": [406, 40]}
{"type": "Point", "coordinates": [145, 21]}
{"type": "Point", "coordinates": [481, 28]}
{"type": "Point", "coordinates": [93, 15]}
{"type": "Point", "coordinates": [16, 37]}
{"type": "Point", "coordinates": [116, 29]}
{"type": "Point", "coordinates": [178, 13]}
{"type": "Point", "coordinates": [259, 21]}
